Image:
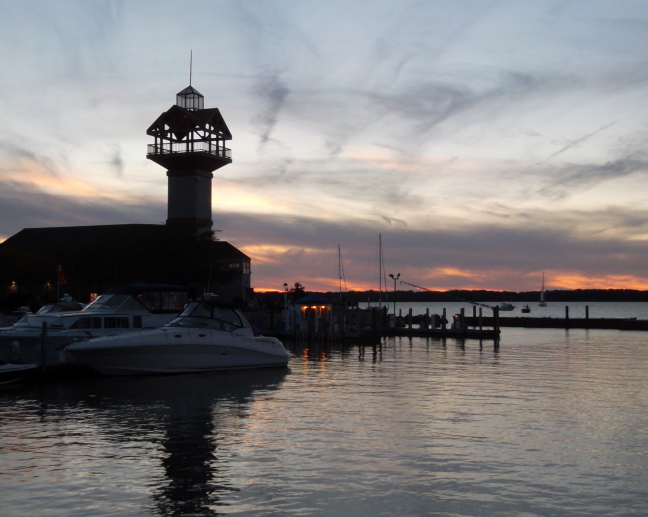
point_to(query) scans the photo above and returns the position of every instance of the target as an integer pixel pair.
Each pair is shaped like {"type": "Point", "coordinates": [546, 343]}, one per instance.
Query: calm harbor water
{"type": "Point", "coordinates": [637, 310]}
{"type": "Point", "coordinates": [552, 422]}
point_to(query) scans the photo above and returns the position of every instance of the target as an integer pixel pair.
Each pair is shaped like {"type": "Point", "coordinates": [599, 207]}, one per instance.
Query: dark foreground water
{"type": "Point", "coordinates": [553, 422]}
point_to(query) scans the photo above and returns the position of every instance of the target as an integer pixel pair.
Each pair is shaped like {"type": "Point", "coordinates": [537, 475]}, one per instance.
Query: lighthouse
{"type": "Point", "coordinates": [190, 145]}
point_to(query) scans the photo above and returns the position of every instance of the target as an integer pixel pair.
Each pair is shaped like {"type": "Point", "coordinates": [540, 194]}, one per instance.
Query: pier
{"type": "Point", "coordinates": [339, 324]}
{"type": "Point", "coordinates": [568, 323]}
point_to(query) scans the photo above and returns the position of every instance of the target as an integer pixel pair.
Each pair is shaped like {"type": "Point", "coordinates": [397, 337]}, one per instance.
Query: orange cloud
{"type": "Point", "coordinates": [579, 281]}
{"type": "Point", "coordinates": [236, 198]}
{"type": "Point", "coordinates": [33, 175]}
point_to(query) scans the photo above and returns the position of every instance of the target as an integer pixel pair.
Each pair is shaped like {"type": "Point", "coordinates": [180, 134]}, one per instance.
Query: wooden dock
{"type": "Point", "coordinates": [566, 323]}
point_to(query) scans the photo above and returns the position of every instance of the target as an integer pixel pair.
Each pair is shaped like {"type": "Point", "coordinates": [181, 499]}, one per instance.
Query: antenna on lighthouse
{"type": "Point", "coordinates": [190, 65]}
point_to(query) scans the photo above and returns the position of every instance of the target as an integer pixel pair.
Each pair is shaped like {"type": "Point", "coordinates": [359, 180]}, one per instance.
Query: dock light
{"type": "Point", "coordinates": [13, 285]}
{"type": "Point", "coordinates": [395, 278]}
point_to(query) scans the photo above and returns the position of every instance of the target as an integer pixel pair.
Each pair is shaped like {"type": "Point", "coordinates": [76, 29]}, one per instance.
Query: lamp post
{"type": "Point", "coordinates": [285, 296]}
{"type": "Point", "coordinates": [395, 278]}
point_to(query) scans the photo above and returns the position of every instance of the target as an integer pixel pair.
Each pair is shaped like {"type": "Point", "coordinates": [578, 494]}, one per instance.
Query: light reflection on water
{"type": "Point", "coordinates": [552, 422]}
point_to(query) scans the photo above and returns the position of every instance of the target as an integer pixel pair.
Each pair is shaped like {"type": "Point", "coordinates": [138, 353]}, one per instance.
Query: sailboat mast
{"type": "Point", "coordinates": [340, 269]}
{"type": "Point", "coordinates": [379, 269]}
{"type": "Point", "coordinates": [341, 275]}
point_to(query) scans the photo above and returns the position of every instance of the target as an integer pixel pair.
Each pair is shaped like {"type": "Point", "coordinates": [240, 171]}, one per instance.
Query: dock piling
{"type": "Point", "coordinates": [43, 348]}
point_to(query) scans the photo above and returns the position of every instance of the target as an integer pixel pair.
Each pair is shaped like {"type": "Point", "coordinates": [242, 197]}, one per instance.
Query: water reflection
{"type": "Point", "coordinates": [175, 420]}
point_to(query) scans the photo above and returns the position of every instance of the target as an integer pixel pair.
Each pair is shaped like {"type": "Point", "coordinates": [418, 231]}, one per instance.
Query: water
{"type": "Point", "coordinates": [552, 422]}
{"type": "Point", "coordinates": [637, 310]}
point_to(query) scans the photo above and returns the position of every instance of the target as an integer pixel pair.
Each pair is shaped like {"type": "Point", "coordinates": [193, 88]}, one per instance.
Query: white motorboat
{"type": "Point", "coordinates": [138, 306]}
{"type": "Point", "coordinates": [207, 336]}
{"type": "Point", "coordinates": [506, 306]}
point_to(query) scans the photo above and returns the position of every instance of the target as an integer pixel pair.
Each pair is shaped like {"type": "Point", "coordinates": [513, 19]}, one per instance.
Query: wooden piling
{"type": "Point", "coordinates": [43, 348]}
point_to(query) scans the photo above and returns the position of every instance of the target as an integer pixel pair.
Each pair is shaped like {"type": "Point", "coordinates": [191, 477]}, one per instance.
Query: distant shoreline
{"type": "Point", "coordinates": [576, 295]}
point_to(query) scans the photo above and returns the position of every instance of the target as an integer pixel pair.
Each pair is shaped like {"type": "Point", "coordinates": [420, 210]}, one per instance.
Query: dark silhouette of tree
{"type": "Point", "coordinates": [298, 291]}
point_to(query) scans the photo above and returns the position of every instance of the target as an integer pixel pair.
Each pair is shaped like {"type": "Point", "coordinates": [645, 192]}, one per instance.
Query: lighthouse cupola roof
{"type": "Point", "coordinates": [190, 99]}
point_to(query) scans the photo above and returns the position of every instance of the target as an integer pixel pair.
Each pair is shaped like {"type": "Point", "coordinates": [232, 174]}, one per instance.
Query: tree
{"type": "Point", "coordinates": [298, 291]}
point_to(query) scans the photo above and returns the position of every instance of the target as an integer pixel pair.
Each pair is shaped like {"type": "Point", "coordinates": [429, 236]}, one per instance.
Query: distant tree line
{"type": "Point", "coordinates": [575, 295]}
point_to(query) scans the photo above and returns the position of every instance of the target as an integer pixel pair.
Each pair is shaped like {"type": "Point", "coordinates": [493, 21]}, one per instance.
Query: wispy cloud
{"type": "Point", "coordinates": [575, 143]}
{"type": "Point", "coordinates": [116, 161]}
{"type": "Point", "coordinates": [583, 176]}
{"type": "Point", "coordinates": [272, 92]}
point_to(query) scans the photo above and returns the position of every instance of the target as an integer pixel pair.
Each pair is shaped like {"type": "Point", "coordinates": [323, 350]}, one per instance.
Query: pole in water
{"type": "Point", "coordinates": [43, 350]}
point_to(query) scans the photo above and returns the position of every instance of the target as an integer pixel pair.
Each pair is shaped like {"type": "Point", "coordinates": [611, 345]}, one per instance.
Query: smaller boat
{"type": "Point", "coordinates": [506, 306]}
{"type": "Point", "coordinates": [13, 373]}
{"type": "Point", "coordinates": [526, 309]}
{"type": "Point", "coordinates": [206, 337]}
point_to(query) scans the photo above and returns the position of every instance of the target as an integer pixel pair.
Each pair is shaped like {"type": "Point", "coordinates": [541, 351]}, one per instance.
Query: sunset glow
{"type": "Point", "coordinates": [479, 156]}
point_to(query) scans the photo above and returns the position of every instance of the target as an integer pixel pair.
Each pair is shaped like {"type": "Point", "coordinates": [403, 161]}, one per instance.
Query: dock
{"type": "Point", "coordinates": [567, 323]}
{"type": "Point", "coordinates": [373, 323]}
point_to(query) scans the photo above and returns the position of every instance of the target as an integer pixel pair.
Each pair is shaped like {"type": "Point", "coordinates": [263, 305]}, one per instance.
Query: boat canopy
{"type": "Point", "coordinates": [208, 315]}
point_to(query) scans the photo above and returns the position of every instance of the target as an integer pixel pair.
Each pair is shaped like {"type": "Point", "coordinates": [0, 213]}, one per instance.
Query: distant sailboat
{"type": "Point", "coordinates": [542, 297]}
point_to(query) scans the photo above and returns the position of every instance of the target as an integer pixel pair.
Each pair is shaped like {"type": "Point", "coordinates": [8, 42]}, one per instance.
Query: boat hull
{"type": "Point", "coordinates": [162, 352]}
{"type": "Point", "coordinates": [14, 373]}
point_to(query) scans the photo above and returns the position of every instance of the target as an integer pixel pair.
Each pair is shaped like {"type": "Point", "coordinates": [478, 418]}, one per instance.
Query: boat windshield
{"type": "Point", "coordinates": [205, 316]}
{"type": "Point", "coordinates": [61, 307]}
{"type": "Point", "coordinates": [114, 301]}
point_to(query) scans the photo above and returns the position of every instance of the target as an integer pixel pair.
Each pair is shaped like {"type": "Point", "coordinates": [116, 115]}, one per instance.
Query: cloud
{"type": "Point", "coordinates": [433, 102]}
{"type": "Point", "coordinates": [583, 176]}
{"type": "Point", "coordinates": [575, 143]}
{"type": "Point", "coordinates": [11, 154]}
{"type": "Point", "coordinates": [499, 258]}
{"type": "Point", "coordinates": [26, 206]}
{"type": "Point", "coordinates": [117, 162]}
{"type": "Point", "coordinates": [272, 92]}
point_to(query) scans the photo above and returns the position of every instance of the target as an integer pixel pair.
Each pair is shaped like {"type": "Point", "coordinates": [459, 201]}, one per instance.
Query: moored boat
{"type": "Point", "coordinates": [14, 373]}
{"type": "Point", "coordinates": [207, 336]}
{"type": "Point", "coordinates": [506, 306]}
{"type": "Point", "coordinates": [138, 306]}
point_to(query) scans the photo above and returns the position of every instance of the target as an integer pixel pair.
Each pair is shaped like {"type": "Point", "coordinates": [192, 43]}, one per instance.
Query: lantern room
{"type": "Point", "coordinates": [190, 99]}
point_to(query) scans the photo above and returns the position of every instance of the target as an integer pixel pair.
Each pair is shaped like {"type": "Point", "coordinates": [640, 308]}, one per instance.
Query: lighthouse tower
{"type": "Point", "coordinates": [190, 145]}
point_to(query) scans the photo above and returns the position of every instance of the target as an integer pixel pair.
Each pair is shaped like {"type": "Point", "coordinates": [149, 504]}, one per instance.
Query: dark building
{"type": "Point", "coordinates": [42, 263]}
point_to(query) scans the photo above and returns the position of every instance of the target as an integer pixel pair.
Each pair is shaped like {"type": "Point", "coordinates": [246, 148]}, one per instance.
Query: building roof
{"type": "Point", "coordinates": [180, 122]}
{"type": "Point", "coordinates": [66, 238]}
{"type": "Point", "coordinates": [314, 298]}
{"type": "Point", "coordinates": [118, 254]}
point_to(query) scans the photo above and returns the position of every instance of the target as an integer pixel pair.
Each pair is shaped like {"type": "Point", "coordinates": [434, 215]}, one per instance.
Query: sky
{"type": "Point", "coordinates": [485, 141]}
